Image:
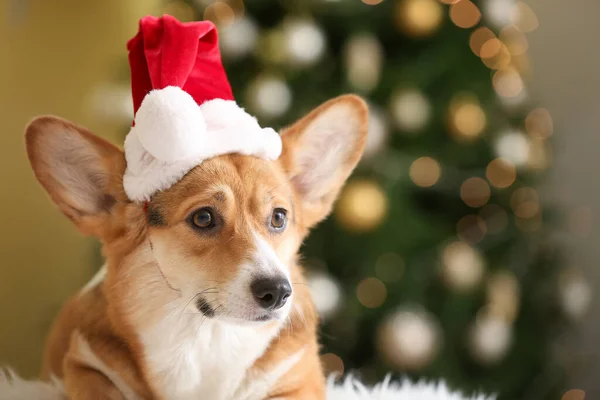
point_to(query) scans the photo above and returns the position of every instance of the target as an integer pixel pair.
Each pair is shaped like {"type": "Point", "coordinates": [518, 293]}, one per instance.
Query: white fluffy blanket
{"type": "Point", "coordinates": [14, 388]}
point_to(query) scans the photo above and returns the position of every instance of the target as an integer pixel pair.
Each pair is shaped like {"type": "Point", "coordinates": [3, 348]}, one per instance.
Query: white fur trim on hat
{"type": "Point", "coordinates": [172, 135]}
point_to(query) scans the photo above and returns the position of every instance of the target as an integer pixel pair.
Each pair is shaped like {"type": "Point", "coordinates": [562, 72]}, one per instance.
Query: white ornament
{"type": "Point", "coordinates": [363, 57]}
{"type": "Point", "coordinates": [462, 266]}
{"type": "Point", "coordinates": [411, 110]}
{"type": "Point", "coordinates": [500, 13]}
{"type": "Point", "coordinates": [305, 42]}
{"type": "Point", "coordinates": [377, 134]}
{"type": "Point", "coordinates": [270, 96]}
{"type": "Point", "coordinates": [112, 102]}
{"type": "Point", "coordinates": [409, 339]}
{"type": "Point", "coordinates": [490, 339]}
{"type": "Point", "coordinates": [575, 295]}
{"type": "Point", "coordinates": [514, 146]}
{"type": "Point", "coordinates": [238, 38]}
{"type": "Point", "coordinates": [326, 293]}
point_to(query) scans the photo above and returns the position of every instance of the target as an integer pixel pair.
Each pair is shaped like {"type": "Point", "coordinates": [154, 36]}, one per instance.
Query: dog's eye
{"type": "Point", "coordinates": [278, 219]}
{"type": "Point", "coordinates": [203, 219]}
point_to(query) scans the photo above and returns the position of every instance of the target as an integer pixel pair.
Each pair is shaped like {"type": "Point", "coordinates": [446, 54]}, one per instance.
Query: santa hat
{"type": "Point", "coordinates": [184, 108]}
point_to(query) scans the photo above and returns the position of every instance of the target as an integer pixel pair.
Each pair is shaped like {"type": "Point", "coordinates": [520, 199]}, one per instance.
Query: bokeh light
{"type": "Point", "coordinates": [371, 292]}
{"type": "Point", "coordinates": [362, 206]}
{"type": "Point", "coordinates": [465, 14]}
{"type": "Point", "coordinates": [524, 18]}
{"type": "Point", "coordinates": [219, 13]}
{"type": "Point", "coordinates": [574, 394]}
{"type": "Point", "coordinates": [503, 295]}
{"type": "Point", "coordinates": [525, 203]}
{"type": "Point", "coordinates": [495, 54]}
{"type": "Point", "coordinates": [425, 172]}
{"type": "Point", "coordinates": [501, 173]}
{"type": "Point", "coordinates": [418, 18]}
{"type": "Point", "coordinates": [471, 229]}
{"type": "Point", "coordinates": [475, 192]}
{"type": "Point", "coordinates": [462, 266]}
{"type": "Point", "coordinates": [514, 40]}
{"type": "Point", "coordinates": [539, 123]}
{"type": "Point", "coordinates": [467, 118]}
{"type": "Point", "coordinates": [508, 82]}
{"type": "Point", "coordinates": [479, 37]}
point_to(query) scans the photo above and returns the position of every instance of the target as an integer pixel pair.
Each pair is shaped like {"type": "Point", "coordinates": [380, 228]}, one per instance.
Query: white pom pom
{"type": "Point", "coordinates": [170, 125]}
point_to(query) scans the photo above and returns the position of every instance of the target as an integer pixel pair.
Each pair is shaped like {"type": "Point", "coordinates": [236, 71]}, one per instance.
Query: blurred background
{"type": "Point", "coordinates": [465, 245]}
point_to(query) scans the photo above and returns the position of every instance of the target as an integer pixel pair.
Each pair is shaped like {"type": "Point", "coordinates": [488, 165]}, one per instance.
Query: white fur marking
{"type": "Point", "coordinates": [268, 261]}
{"type": "Point", "coordinates": [86, 355]}
{"type": "Point", "coordinates": [258, 386]}
{"type": "Point", "coordinates": [95, 281]}
{"type": "Point", "coordinates": [190, 356]}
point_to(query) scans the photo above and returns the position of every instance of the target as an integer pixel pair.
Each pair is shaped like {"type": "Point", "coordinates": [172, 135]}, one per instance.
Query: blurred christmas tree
{"type": "Point", "coordinates": [439, 260]}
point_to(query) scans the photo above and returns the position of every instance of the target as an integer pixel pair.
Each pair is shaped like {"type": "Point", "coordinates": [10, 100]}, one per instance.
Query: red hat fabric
{"type": "Point", "coordinates": [166, 52]}
{"type": "Point", "coordinates": [184, 107]}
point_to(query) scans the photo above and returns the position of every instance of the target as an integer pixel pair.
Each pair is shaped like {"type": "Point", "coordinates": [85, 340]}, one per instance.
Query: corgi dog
{"type": "Point", "coordinates": [202, 295]}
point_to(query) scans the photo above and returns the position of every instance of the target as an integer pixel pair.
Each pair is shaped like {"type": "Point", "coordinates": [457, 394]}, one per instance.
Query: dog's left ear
{"type": "Point", "coordinates": [321, 150]}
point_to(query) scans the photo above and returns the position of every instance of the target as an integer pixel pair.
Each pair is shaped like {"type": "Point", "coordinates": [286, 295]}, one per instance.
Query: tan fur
{"type": "Point", "coordinates": [85, 181]}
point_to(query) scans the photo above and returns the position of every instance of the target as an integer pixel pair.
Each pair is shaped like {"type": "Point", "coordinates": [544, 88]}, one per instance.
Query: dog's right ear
{"type": "Point", "coordinates": [81, 172]}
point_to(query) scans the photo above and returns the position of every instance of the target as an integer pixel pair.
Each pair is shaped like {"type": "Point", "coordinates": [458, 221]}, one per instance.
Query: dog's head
{"type": "Point", "coordinates": [227, 234]}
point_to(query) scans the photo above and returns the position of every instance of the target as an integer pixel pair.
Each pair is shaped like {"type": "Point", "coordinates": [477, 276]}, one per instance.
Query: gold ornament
{"type": "Point", "coordinates": [467, 118]}
{"type": "Point", "coordinates": [419, 18]}
{"type": "Point", "coordinates": [362, 206]}
{"type": "Point", "coordinates": [409, 339]}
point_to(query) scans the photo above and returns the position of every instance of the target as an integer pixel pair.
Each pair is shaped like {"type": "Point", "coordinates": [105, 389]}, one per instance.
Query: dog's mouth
{"type": "Point", "coordinates": [208, 311]}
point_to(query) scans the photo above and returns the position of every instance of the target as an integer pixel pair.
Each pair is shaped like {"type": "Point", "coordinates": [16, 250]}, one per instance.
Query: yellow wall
{"type": "Point", "coordinates": [50, 58]}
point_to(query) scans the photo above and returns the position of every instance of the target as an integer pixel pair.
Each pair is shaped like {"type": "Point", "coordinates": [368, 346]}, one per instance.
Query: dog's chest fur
{"type": "Point", "coordinates": [190, 356]}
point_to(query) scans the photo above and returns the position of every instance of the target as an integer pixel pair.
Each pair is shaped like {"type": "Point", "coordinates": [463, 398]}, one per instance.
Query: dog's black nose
{"type": "Point", "coordinates": [271, 293]}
